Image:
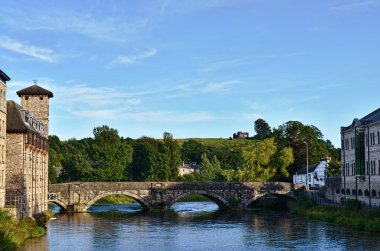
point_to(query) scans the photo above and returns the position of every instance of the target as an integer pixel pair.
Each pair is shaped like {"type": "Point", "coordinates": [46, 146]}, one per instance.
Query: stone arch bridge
{"type": "Point", "coordinates": [79, 196]}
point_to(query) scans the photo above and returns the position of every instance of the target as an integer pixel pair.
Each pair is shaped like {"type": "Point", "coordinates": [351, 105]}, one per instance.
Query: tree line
{"type": "Point", "coordinates": [272, 154]}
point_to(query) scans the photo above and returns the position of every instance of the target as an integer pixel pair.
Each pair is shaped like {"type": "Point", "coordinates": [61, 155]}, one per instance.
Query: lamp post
{"type": "Point", "coordinates": [307, 164]}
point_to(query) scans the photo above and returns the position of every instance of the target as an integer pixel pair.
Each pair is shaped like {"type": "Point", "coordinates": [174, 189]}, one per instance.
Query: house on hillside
{"type": "Point", "coordinates": [187, 168]}
{"type": "Point", "coordinates": [316, 174]}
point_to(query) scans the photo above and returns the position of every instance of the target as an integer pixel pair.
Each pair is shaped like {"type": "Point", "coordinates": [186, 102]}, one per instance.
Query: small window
{"type": "Point", "coordinates": [41, 98]}
{"type": "Point", "coordinates": [374, 194]}
{"type": "Point", "coordinates": [342, 191]}
{"type": "Point", "coordinates": [360, 192]}
{"type": "Point", "coordinates": [366, 192]}
{"type": "Point", "coordinates": [353, 192]}
{"type": "Point", "coordinates": [348, 191]}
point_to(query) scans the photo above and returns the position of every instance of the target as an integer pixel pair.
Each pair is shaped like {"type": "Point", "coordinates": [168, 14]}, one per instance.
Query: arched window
{"type": "Point", "coordinates": [348, 191]}
{"type": "Point", "coordinates": [374, 194]}
{"type": "Point", "coordinates": [337, 191]}
{"type": "Point", "coordinates": [353, 192]}
{"type": "Point", "coordinates": [342, 191]}
{"type": "Point", "coordinates": [366, 192]}
{"type": "Point", "coordinates": [360, 192]}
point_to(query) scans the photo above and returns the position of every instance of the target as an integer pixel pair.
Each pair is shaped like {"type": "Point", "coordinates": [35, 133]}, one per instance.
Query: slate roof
{"type": "Point", "coordinates": [4, 77]}
{"type": "Point", "coordinates": [366, 120]}
{"type": "Point", "coordinates": [34, 90]}
{"type": "Point", "coordinates": [15, 122]}
{"type": "Point", "coordinates": [371, 118]}
{"type": "Point", "coordinates": [311, 169]}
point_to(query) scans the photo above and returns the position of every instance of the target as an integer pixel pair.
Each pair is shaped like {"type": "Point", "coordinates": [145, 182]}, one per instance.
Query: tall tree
{"type": "Point", "coordinates": [262, 129]}
{"type": "Point", "coordinates": [192, 151]}
{"type": "Point", "coordinates": [110, 155]}
{"type": "Point", "coordinates": [172, 154]}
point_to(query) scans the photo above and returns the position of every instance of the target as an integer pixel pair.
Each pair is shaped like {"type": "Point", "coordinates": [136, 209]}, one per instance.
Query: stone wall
{"type": "Point", "coordinates": [340, 188]}
{"type": "Point", "coordinates": [39, 107]}
{"type": "Point", "coordinates": [26, 176]}
{"type": "Point", "coordinates": [3, 117]}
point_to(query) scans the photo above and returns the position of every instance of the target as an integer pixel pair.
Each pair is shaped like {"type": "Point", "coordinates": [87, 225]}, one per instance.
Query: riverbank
{"type": "Point", "coordinates": [352, 216]}
{"type": "Point", "coordinates": [13, 233]}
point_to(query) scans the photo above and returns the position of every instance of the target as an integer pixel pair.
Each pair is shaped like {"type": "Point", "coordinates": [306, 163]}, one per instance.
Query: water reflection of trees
{"type": "Point", "coordinates": [282, 230]}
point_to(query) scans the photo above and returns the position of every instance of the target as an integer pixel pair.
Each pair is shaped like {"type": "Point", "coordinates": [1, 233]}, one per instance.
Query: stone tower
{"type": "Point", "coordinates": [3, 118]}
{"type": "Point", "coordinates": [35, 99]}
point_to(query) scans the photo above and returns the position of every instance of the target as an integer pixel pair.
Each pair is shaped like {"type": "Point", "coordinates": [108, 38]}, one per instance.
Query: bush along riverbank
{"type": "Point", "coordinates": [13, 232]}
{"type": "Point", "coordinates": [352, 216]}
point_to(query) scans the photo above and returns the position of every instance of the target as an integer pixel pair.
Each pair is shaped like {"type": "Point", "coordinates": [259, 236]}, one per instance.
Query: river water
{"type": "Point", "coordinates": [194, 226]}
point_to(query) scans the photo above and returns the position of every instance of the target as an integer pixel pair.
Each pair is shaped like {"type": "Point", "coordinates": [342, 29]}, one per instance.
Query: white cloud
{"type": "Point", "coordinates": [99, 28]}
{"type": "Point", "coordinates": [219, 86]}
{"type": "Point", "coordinates": [44, 54]}
{"type": "Point", "coordinates": [347, 6]}
{"type": "Point", "coordinates": [129, 60]}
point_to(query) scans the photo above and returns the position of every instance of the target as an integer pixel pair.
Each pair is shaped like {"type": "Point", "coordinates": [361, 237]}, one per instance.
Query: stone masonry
{"type": "Point", "coordinates": [3, 117]}
{"type": "Point", "coordinates": [79, 196]}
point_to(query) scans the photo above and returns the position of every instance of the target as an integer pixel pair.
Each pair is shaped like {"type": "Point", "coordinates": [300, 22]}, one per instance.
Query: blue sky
{"type": "Point", "coordinates": [195, 68]}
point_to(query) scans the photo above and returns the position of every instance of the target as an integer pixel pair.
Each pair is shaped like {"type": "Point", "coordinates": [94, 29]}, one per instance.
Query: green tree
{"type": "Point", "coordinates": [172, 155]}
{"type": "Point", "coordinates": [210, 170]}
{"type": "Point", "coordinates": [293, 134]}
{"type": "Point", "coordinates": [192, 151]}
{"type": "Point", "coordinates": [111, 157]}
{"type": "Point", "coordinates": [333, 169]}
{"type": "Point", "coordinates": [262, 129]}
{"type": "Point", "coordinates": [257, 161]}
{"type": "Point", "coordinates": [146, 160]}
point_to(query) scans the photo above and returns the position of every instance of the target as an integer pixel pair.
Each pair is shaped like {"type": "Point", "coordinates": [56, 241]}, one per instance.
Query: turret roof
{"type": "Point", "coordinates": [4, 77]}
{"type": "Point", "coordinates": [34, 90]}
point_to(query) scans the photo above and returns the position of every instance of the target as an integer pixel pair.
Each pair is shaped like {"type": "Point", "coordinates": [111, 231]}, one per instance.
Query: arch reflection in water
{"type": "Point", "coordinates": [195, 204]}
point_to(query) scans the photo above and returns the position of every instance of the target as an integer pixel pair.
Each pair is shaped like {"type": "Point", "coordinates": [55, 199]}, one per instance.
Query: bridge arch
{"type": "Point", "coordinates": [126, 193]}
{"type": "Point", "coordinates": [258, 196]}
{"type": "Point", "coordinates": [217, 199]}
{"type": "Point", "coordinates": [59, 203]}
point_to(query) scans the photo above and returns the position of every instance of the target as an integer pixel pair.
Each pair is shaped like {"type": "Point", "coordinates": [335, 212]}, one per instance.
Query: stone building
{"type": "Point", "coordinates": [24, 163]}
{"type": "Point", "coordinates": [3, 117]}
{"type": "Point", "coordinates": [360, 158]}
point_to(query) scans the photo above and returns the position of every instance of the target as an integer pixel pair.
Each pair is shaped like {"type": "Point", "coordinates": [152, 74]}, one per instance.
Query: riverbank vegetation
{"type": "Point", "coordinates": [352, 216]}
{"type": "Point", "coordinates": [13, 233]}
{"type": "Point", "coordinates": [116, 199]}
{"type": "Point", "coordinates": [272, 154]}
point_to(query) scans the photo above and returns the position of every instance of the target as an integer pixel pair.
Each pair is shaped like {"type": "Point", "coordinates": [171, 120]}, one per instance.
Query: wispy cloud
{"type": "Point", "coordinates": [348, 6]}
{"type": "Point", "coordinates": [40, 53]}
{"type": "Point", "coordinates": [226, 64]}
{"type": "Point", "coordinates": [183, 6]}
{"type": "Point", "coordinates": [219, 86]}
{"type": "Point", "coordinates": [129, 60]}
{"type": "Point", "coordinates": [99, 28]}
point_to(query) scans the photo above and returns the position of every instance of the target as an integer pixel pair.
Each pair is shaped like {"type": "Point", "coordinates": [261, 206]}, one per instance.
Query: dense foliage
{"type": "Point", "coordinates": [272, 154]}
{"type": "Point", "coordinates": [13, 232]}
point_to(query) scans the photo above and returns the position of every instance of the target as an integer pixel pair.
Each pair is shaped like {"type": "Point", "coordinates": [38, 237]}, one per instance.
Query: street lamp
{"type": "Point", "coordinates": [307, 164]}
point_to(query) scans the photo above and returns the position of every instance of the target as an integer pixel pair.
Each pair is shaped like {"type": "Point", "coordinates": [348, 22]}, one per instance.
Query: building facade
{"type": "Point", "coordinates": [360, 158]}
{"type": "Point", "coordinates": [24, 146]}
{"type": "Point", "coordinates": [316, 174]}
{"type": "Point", "coordinates": [3, 119]}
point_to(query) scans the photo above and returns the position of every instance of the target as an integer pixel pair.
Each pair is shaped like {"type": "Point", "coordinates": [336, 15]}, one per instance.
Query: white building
{"type": "Point", "coordinates": [187, 168]}
{"type": "Point", "coordinates": [316, 174]}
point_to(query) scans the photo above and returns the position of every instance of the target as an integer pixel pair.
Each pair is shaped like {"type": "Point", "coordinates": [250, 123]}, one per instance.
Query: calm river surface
{"type": "Point", "coordinates": [194, 226]}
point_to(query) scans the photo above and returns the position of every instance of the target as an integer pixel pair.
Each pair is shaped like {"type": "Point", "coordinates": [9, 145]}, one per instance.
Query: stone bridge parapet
{"type": "Point", "coordinates": [79, 196]}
